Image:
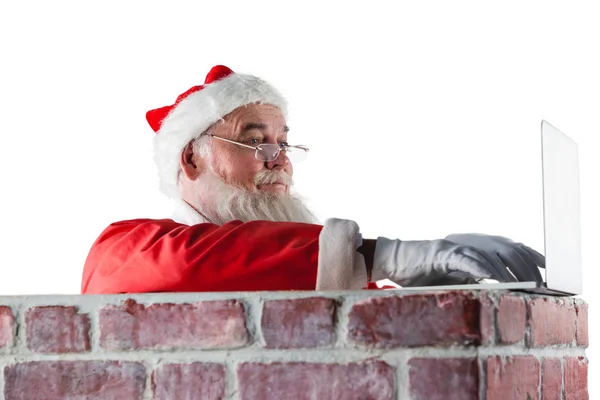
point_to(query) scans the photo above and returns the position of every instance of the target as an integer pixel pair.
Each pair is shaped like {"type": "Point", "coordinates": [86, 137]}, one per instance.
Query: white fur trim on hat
{"type": "Point", "coordinates": [197, 112]}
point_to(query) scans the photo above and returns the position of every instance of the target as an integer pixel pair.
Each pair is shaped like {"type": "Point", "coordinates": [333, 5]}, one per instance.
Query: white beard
{"type": "Point", "coordinates": [220, 202]}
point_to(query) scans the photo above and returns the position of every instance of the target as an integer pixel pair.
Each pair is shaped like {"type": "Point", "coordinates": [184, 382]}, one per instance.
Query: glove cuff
{"type": "Point", "coordinates": [383, 261]}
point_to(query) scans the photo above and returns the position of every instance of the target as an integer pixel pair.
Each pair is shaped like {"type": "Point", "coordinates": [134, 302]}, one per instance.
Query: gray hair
{"type": "Point", "coordinates": [202, 144]}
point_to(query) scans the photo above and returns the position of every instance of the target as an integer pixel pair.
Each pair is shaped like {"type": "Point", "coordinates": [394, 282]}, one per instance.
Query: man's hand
{"type": "Point", "coordinates": [429, 262]}
{"type": "Point", "coordinates": [522, 261]}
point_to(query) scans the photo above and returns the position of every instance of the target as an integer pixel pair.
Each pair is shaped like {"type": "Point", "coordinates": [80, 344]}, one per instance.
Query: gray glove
{"type": "Point", "coordinates": [522, 261]}
{"type": "Point", "coordinates": [433, 262]}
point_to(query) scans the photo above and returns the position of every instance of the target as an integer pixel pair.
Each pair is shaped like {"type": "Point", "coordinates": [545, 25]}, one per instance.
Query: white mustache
{"type": "Point", "coordinates": [265, 177]}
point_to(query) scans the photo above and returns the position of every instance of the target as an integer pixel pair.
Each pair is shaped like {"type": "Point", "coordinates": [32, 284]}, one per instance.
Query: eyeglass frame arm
{"type": "Point", "coordinates": [302, 147]}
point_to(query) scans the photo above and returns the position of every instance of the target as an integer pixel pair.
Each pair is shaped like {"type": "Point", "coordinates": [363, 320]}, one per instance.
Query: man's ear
{"type": "Point", "coordinates": [189, 162]}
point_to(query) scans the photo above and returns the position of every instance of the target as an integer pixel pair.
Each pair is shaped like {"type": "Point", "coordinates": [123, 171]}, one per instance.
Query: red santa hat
{"type": "Point", "coordinates": [196, 110]}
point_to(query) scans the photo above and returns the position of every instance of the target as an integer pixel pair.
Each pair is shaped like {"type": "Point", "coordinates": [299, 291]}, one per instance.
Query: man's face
{"type": "Point", "coordinates": [229, 183]}
{"type": "Point", "coordinates": [237, 165]}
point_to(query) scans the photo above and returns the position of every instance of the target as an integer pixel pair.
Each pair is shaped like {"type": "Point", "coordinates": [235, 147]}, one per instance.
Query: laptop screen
{"type": "Point", "coordinates": [562, 231]}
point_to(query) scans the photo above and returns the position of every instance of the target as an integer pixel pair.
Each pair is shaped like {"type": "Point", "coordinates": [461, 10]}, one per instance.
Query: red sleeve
{"type": "Point", "coordinates": [140, 256]}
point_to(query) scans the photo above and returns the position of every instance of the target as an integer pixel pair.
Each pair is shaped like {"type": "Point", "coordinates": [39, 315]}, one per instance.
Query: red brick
{"type": "Point", "coordinates": [435, 378]}
{"type": "Point", "coordinates": [582, 324]}
{"type": "Point", "coordinates": [552, 321]}
{"type": "Point", "coordinates": [207, 324]}
{"type": "Point", "coordinates": [551, 379]}
{"type": "Point", "coordinates": [487, 319]}
{"type": "Point", "coordinates": [511, 319]}
{"type": "Point", "coordinates": [299, 381]}
{"type": "Point", "coordinates": [298, 323]}
{"type": "Point", "coordinates": [189, 381]}
{"type": "Point", "coordinates": [90, 380]}
{"type": "Point", "coordinates": [415, 320]}
{"type": "Point", "coordinates": [514, 377]}
{"type": "Point", "coordinates": [57, 329]}
{"type": "Point", "coordinates": [7, 324]}
{"type": "Point", "coordinates": [576, 378]}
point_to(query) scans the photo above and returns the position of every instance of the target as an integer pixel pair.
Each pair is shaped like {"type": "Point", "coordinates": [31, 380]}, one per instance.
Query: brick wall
{"type": "Point", "coordinates": [294, 345]}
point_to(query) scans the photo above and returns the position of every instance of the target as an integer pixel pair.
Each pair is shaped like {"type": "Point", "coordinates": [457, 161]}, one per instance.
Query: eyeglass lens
{"type": "Point", "coordinates": [269, 152]}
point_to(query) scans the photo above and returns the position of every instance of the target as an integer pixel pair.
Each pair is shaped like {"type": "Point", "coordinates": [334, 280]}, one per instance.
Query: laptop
{"type": "Point", "coordinates": [562, 223]}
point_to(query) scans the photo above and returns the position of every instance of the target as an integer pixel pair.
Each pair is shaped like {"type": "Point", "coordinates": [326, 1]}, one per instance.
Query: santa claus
{"type": "Point", "coordinates": [224, 155]}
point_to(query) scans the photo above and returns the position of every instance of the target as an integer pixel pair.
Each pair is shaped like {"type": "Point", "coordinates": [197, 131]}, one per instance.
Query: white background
{"type": "Point", "coordinates": [422, 119]}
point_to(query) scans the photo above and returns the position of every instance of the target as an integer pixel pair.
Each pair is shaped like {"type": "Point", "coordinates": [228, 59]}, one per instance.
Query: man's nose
{"type": "Point", "coordinates": [280, 162]}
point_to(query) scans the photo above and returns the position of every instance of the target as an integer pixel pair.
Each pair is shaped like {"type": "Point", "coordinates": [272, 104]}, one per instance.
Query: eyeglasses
{"type": "Point", "coordinates": [267, 152]}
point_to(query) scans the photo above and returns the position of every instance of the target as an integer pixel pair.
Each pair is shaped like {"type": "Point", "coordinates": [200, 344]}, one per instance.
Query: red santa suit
{"type": "Point", "coordinates": [188, 254]}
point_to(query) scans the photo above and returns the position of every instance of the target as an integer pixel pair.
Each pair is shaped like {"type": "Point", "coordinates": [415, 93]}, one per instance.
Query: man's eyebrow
{"type": "Point", "coordinates": [256, 125]}
{"type": "Point", "coordinates": [253, 125]}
